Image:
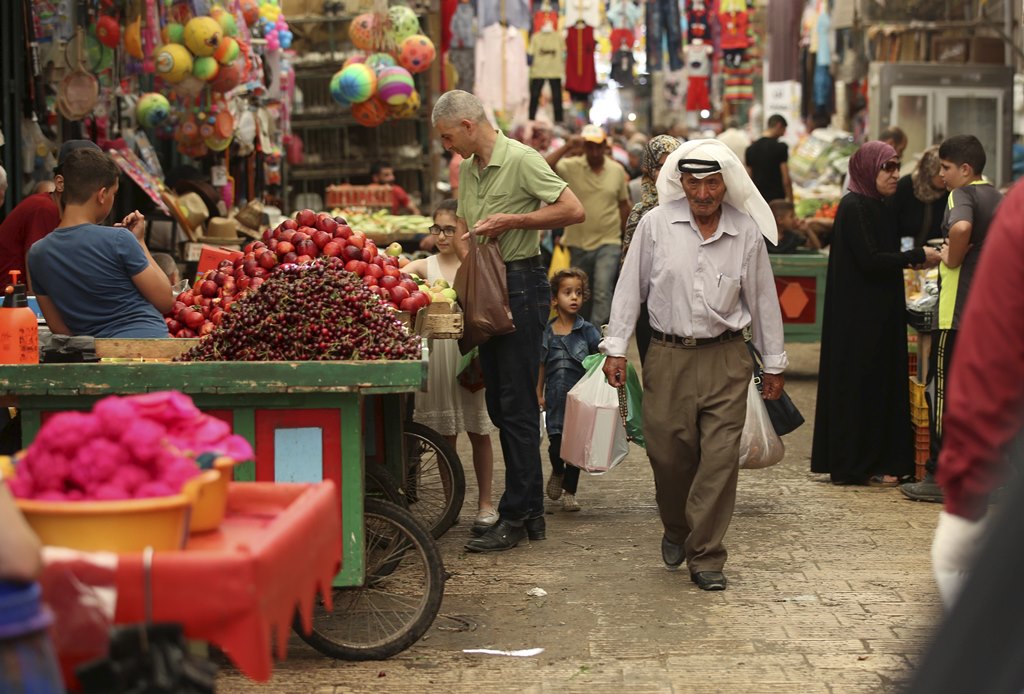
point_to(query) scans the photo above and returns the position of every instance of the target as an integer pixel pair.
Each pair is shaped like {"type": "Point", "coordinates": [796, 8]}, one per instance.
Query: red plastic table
{"type": "Point", "coordinates": [278, 546]}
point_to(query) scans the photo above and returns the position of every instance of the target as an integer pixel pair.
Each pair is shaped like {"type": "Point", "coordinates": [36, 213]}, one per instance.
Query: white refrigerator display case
{"type": "Point", "coordinates": [932, 101]}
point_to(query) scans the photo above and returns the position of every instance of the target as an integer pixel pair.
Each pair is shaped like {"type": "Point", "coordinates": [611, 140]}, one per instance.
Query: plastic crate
{"type": "Point", "coordinates": [913, 352]}
{"type": "Point", "coordinates": [918, 404]}
{"type": "Point", "coordinates": [345, 195]}
{"type": "Point", "coordinates": [922, 449]}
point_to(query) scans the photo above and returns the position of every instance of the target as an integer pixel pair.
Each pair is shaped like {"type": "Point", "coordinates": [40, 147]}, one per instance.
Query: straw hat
{"type": "Point", "coordinates": [221, 230]}
{"type": "Point", "coordinates": [250, 219]}
{"type": "Point", "coordinates": [193, 211]}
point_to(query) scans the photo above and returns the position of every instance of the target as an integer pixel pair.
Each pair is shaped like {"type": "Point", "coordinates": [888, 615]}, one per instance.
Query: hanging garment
{"type": "Point", "coordinates": [739, 81]}
{"type": "Point", "coordinates": [517, 13]}
{"type": "Point", "coordinates": [580, 73]}
{"type": "Point", "coordinates": [622, 38]}
{"type": "Point", "coordinates": [698, 66]}
{"type": "Point", "coordinates": [543, 17]}
{"type": "Point", "coordinates": [537, 86]}
{"type": "Point", "coordinates": [500, 70]}
{"type": "Point", "coordinates": [734, 30]}
{"type": "Point", "coordinates": [463, 60]}
{"type": "Point", "coordinates": [547, 50]}
{"type": "Point", "coordinates": [697, 24]}
{"type": "Point", "coordinates": [663, 31]}
{"type": "Point", "coordinates": [586, 11]}
{"type": "Point", "coordinates": [623, 65]}
{"type": "Point", "coordinates": [624, 14]}
{"type": "Point", "coordinates": [463, 26]}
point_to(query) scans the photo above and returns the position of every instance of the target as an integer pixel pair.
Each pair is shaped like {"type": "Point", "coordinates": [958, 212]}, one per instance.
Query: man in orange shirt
{"type": "Point", "coordinates": [382, 173]}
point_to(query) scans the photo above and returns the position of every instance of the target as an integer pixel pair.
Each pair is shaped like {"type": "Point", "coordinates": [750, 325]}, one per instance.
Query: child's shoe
{"type": "Point", "coordinates": [569, 502]}
{"type": "Point", "coordinates": [554, 488]}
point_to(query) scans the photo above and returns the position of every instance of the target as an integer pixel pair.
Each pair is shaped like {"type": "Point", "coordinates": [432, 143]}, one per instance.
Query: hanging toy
{"type": "Point", "coordinates": [360, 31]}
{"type": "Point", "coordinates": [404, 23]}
{"type": "Point", "coordinates": [406, 109]}
{"type": "Point", "coordinates": [108, 31]}
{"type": "Point", "coordinates": [202, 35]}
{"type": "Point", "coordinates": [227, 51]}
{"type": "Point", "coordinates": [250, 11]}
{"type": "Point", "coordinates": [284, 36]}
{"type": "Point", "coordinates": [173, 32]}
{"type": "Point", "coordinates": [190, 87]}
{"type": "Point", "coordinates": [353, 59]}
{"type": "Point", "coordinates": [149, 36]}
{"type": "Point", "coordinates": [379, 61]}
{"type": "Point", "coordinates": [173, 62]}
{"type": "Point", "coordinates": [357, 83]}
{"type": "Point", "coordinates": [416, 53]}
{"type": "Point", "coordinates": [225, 19]}
{"type": "Point", "coordinates": [394, 85]}
{"type": "Point", "coordinates": [336, 91]}
{"type": "Point", "coordinates": [133, 38]}
{"type": "Point", "coordinates": [370, 113]}
{"type": "Point", "coordinates": [228, 77]}
{"type": "Point", "coordinates": [205, 68]}
{"type": "Point", "coordinates": [153, 110]}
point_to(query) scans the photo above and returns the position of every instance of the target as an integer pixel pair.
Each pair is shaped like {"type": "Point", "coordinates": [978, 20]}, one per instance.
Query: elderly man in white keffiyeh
{"type": "Point", "coordinates": [700, 264]}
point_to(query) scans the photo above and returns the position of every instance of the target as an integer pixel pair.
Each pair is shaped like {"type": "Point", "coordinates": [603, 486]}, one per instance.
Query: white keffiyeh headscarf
{"type": "Point", "coordinates": [739, 189]}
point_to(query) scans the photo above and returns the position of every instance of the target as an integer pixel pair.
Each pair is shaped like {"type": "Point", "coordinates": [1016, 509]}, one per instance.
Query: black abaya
{"type": "Point", "coordinates": [862, 419]}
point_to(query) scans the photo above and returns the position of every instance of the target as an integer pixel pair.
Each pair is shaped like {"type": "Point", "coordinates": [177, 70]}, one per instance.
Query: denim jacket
{"type": "Point", "coordinates": [562, 356]}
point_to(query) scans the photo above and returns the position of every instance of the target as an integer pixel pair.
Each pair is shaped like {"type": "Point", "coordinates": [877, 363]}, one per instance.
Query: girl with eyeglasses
{"type": "Point", "coordinates": [454, 401]}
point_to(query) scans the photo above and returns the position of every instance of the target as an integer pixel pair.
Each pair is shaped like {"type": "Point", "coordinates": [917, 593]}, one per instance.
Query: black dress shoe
{"type": "Point", "coordinates": [502, 535]}
{"type": "Point", "coordinates": [672, 554]}
{"type": "Point", "coordinates": [709, 580]}
{"type": "Point", "coordinates": [536, 528]}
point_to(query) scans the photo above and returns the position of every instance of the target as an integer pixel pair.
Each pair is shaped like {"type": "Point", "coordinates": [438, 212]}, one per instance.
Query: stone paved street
{"type": "Point", "coordinates": [830, 590]}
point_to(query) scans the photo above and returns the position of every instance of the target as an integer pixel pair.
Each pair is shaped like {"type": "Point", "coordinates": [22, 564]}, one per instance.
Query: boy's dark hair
{"type": "Point", "coordinates": [574, 273]}
{"type": "Point", "coordinates": [781, 207]}
{"type": "Point", "coordinates": [776, 120]}
{"type": "Point", "coordinates": [451, 205]}
{"type": "Point", "coordinates": [378, 166]}
{"type": "Point", "coordinates": [964, 149]}
{"type": "Point", "coordinates": [166, 263]}
{"type": "Point", "coordinates": [86, 171]}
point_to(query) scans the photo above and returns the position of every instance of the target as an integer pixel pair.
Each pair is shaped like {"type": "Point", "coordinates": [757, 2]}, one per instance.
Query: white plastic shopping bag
{"type": "Point", "coordinates": [760, 446]}
{"type": "Point", "coordinates": [593, 435]}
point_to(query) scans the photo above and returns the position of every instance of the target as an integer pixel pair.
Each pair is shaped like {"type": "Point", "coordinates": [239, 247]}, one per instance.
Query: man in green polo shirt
{"type": "Point", "coordinates": [502, 185]}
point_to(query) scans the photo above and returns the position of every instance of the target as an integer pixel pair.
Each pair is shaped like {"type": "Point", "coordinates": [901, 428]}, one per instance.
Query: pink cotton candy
{"type": "Point", "coordinates": [66, 431]}
{"type": "Point", "coordinates": [110, 492]}
{"type": "Point", "coordinates": [179, 473]}
{"type": "Point", "coordinates": [21, 487]}
{"type": "Point", "coordinates": [51, 496]}
{"type": "Point", "coordinates": [143, 438]}
{"type": "Point", "coordinates": [131, 477]}
{"type": "Point", "coordinates": [114, 414]}
{"type": "Point", "coordinates": [236, 448]}
{"type": "Point", "coordinates": [167, 407]}
{"type": "Point", "coordinates": [49, 470]}
{"type": "Point", "coordinates": [154, 489]}
{"type": "Point", "coordinates": [96, 462]}
{"type": "Point", "coordinates": [75, 495]}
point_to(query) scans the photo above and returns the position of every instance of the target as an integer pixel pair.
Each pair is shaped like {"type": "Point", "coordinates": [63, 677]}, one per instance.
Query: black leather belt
{"type": "Point", "coordinates": [696, 341]}
{"type": "Point", "coordinates": [524, 264]}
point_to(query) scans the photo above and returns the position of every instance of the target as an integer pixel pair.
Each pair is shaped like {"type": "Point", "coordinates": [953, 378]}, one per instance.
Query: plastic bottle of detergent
{"type": "Point", "coordinates": [19, 328]}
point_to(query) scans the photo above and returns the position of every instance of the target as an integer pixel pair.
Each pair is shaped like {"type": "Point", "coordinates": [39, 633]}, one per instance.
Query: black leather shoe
{"type": "Point", "coordinates": [672, 554]}
{"type": "Point", "coordinates": [709, 580]}
{"type": "Point", "coordinates": [502, 535]}
{"type": "Point", "coordinates": [536, 528]}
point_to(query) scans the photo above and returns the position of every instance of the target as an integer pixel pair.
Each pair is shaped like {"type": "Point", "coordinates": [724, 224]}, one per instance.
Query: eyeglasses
{"type": "Point", "coordinates": [891, 166]}
{"type": "Point", "coordinates": [437, 231]}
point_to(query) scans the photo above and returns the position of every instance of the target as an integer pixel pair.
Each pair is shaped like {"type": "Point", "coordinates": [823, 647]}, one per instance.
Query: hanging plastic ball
{"type": "Point", "coordinates": [416, 54]}
{"type": "Point", "coordinates": [108, 31]}
{"type": "Point", "coordinates": [394, 85]}
{"type": "Point", "coordinates": [228, 77]}
{"type": "Point", "coordinates": [173, 62]}
{"type": "Point", "coordinates": [286, 38]}
{"type": "Point", "coordinates": [273, 43]}
{"type": "Point", "coordinates": [217, 144]}
{"type": "Point", "coordinates": [205, 68]}
{"type": "Point", "coordinates": [152, 110]}
{"type": "Point", "coordinates": [173, 33]}
{"type": "Point", "coordinates": [250, 11]}
{"type": "Point", "coordinates": [361, 31]}
{"type": "Point", "coordinates": [370, 113]}
{"type": "Point", "coordinates": [379, 61]}
{"type": "Point", "coordinates": [357, 83]}
{"type": "Point", "coordinates": [228, 25]}
{"type": "Point", "coordinates": [227, 51]}
{"type": "Point", "coordinates": [335, 89]}
{"type": "Point", "coordinates": [353, 59]}
{"type": "Point", "coordinates": [203, 35]}
{"type": "Point", "coordinates": [404, 23]}
{"type": "Point", "coordinates": [406, 109]}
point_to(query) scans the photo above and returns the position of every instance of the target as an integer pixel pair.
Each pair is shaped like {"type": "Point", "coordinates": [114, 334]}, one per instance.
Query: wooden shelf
{"type": "Point", "coordinates": [331, 170]}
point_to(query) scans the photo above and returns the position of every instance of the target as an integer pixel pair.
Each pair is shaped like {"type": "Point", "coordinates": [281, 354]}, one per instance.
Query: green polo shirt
{"type": "Point", "coordinates": [516, 181]}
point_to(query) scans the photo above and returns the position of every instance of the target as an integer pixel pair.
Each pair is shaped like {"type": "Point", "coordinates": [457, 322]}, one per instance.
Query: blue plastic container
{"type": "Point", "coordinates": [28, 664]}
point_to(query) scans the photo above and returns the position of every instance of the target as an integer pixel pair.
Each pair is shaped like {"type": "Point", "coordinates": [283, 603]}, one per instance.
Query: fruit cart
{"type": "Point", "coordinates": [306, 422]}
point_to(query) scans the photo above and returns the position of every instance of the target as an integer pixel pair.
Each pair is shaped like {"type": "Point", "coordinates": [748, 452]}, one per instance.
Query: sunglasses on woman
{"type": "Point", "coordinates": [438, 230]}
{"type": "Point", "coordinates": [891, 166]}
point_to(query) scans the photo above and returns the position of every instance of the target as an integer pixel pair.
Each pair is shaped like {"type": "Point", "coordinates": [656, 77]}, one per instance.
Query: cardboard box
{"type": "Point", "coordinates": [209, 256]}
{"type": "Point", "coordinates": [951, 50]}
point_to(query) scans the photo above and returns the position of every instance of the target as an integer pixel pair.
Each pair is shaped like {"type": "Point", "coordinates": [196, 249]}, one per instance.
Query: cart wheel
{"type": "Point", "coordinates": [435, 485]}
{"type": "Point", "coordinates": [381, 484]}
{"type": "Point", "coordinates": [393, 609]}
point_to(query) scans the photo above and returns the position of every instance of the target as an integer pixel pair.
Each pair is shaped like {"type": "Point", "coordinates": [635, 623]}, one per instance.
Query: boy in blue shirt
{"type": "Point", "coordinates": [567, 341]}
{"type": "Point", "coordinates": [97, 280]}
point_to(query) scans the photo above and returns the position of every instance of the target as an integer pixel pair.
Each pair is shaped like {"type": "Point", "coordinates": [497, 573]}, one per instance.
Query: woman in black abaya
{"type": "Point", "coordinates": [862, 431]}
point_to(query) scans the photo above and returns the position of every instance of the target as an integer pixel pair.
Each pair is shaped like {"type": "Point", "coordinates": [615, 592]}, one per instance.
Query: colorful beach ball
{"type": "Point", "coordinates": [173, 62]}
{"type": "Point", "coordinates": [406, 109]}
{"type": "Point", "coordinates": [370, 113]}
{"type": "Point", "coordinates": [404, 23]}
{"type": "Point", "coordinates": [361, 31]}
{"type": "Point", "coordinates": [335, 89]}
{"type": "Point", "coordinates": [357, 83]}
{"type": "Point", "coordinates": [394, 85]}
{"type": "Point", "coordinates": [379, 61]}
{"type": "Point", "coordinates": [203, 35]}
{"type": "Point", "coordinates": [353, 59]}
{"type": "Point", "coordinates": [152, 110]}
{"type": "Point", "coordinates": [416, 53]}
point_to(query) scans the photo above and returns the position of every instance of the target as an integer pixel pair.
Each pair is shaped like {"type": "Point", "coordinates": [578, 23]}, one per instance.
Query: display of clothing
{"type": "Point", "coordinates": [501, 75]}
{"type": "Point", "coordinates": [624, 14]}
{"type": "Point", "coordinates": [580, 73]}
{"type": "Point", "coordinates": [823, 61]}
{"type": "Point", "coordinates": [547, 50]}
{"type": "Point", "coordinates": [663, 33]}
{"type": "Point", "coordinates": [463, 26]}
{"type": "Point", "coordinates": [733, 30]}
{"type": "Point", "coordinates": [516, 13]}
{"type": "Point", "coordinates": [464, 61]}
{"type": "Point", "coordinates": [620, 38]}
{"type": "Point", "coordinates": [698, 66]}
{"type": "Point", "coordinates": [586, 11]}
{"type": "Point", "coordinates": [537, 86]}
{"type": "Point", "coordinates": [739, 80]}
{"type": "Point", "coordinates": [448, 8]}
{"type": "Point", "coordinates": [623, 66]}
{"type": "Point", "coordinates": [543, 17]}
{"type": "Point", "coordinates": [698, 21]}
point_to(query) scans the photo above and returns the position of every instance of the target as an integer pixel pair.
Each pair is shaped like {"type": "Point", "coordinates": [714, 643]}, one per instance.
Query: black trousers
{"type": "Point", "coordinates": [939, 361]}
{"type": "Point", "coordinates": [571, 473]}
{"type": "Point", "coordinates": [536, 85]}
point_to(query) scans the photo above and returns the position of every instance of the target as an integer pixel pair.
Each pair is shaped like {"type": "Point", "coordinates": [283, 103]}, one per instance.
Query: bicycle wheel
{"type": "Point", "coordinates": [381, 484]}
{"type": "Point", "coordinates": [435, 485]}
{"type": "Point", "coordinates": [392, 610]}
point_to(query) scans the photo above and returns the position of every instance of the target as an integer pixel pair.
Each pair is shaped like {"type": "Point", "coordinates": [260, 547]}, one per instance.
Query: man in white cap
{"type": "Point", "coordinates": [699, 262]}
{"type": "Point", "coordinates": [595, 244]}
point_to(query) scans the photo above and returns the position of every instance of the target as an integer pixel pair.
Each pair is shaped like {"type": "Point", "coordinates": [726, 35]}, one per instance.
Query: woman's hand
{"type": "Point", "coordinates": [932, 256]}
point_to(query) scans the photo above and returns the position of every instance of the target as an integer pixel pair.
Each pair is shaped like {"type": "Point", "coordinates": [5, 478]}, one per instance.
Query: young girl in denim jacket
{"type": "Point", "coordinates": [567, 341]}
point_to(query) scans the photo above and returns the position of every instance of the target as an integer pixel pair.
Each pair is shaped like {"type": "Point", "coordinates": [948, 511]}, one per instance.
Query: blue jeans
{"type": "Point", "coordinates": [602, 267]}
{"type": "Point", "coordinates": [511, 365]}
{"type": "Point", "coordinates": [663, 15]}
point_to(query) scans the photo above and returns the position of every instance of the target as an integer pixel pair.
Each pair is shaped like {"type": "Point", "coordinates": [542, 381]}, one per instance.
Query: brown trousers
{"type": "Point", "coordinates": [695, 405]}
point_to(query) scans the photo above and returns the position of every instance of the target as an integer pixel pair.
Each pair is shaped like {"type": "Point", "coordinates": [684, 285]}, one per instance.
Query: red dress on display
{"type": "Point", "coordinates": [580, 73]}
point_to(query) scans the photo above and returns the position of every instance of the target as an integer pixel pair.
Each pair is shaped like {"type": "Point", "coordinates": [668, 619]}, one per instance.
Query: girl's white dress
{"type": "Point", "coordinates": [447, 407]}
